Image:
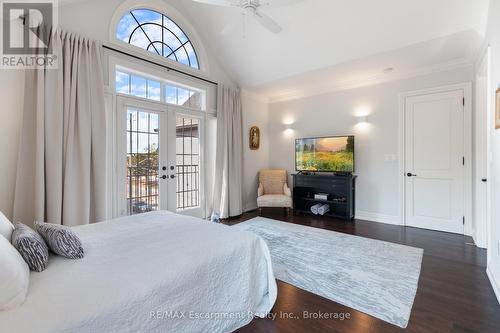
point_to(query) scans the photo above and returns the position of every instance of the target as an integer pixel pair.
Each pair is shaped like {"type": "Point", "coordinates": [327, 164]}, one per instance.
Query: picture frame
{"type": "Point", "coordinates": [254, 138]}
{"type": "Point", "coordinates": [497, 109]}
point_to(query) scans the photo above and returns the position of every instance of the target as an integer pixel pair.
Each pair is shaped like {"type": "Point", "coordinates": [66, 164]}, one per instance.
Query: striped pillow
{"type": "Point", "coordinates": [61, 240]}
{"type": "Point", "coordinates": [31, 246]}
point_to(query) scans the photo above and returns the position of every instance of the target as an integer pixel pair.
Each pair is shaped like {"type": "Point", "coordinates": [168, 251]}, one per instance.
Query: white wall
{"type": "Point", "coordinates": [255, 113]}
{"type": "Point", "coordinates": [493, 37]}
{"type": "Point", "coordinates": [11, 88]}
{"type": "Point", "coordinates": [377, 145]}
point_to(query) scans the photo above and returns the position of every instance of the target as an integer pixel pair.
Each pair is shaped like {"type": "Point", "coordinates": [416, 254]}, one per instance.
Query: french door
{"type": "Point", "coordinates": [159, 158]}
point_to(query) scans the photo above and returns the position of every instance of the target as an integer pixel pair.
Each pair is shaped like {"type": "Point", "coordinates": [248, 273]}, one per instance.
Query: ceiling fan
{"type": "Point", "coordinates": [252, 8]}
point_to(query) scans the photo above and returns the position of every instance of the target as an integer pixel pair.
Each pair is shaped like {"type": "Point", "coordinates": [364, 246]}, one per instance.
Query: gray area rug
{"type": "Point", "coordinates": [375, 277]}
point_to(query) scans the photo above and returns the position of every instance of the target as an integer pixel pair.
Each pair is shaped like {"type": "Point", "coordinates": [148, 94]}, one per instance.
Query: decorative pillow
{"type": "Point", "coordinates": [6, 227]}
{"type": "Point", "coordinates": [31, 246]}
{"type": "Point", "coordinates": [14, 276]}
{"type": "Point", "coordinates": [61, 240]}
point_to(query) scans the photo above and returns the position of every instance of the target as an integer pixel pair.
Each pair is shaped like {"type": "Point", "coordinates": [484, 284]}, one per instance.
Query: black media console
{"type": "Point", "coordinates": [339, 188]}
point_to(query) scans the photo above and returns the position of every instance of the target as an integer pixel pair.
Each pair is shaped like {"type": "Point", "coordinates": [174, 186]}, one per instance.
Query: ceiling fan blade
{"type": "Point", "coordinates": [267, 22]}
{"type": "Point", "coordinates": [216, 2]}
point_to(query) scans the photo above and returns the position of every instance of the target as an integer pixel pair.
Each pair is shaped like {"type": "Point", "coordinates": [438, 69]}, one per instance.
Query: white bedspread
{"type": "Point", "coordinates": [156, 272]}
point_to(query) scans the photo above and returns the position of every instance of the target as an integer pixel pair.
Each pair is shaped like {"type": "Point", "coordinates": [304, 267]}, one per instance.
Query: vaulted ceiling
{"type": "Point", "coordinates": [326, 34]}
{"type": "Point", "coordinates": [337, 41]}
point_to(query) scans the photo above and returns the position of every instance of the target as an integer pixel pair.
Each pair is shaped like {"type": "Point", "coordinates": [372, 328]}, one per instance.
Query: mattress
{"type": "Point", "coordinates": [154, 272]}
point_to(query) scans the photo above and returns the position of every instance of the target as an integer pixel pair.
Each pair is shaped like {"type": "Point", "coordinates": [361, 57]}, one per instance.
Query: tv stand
{"type": "Point", "coordinates": [340, 189]}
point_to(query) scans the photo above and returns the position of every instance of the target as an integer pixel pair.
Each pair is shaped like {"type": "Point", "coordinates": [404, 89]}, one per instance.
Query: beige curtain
{"type": "Point", "coordinates": [62, 155]}
{"type": "Point", "coordinates": [228, 194]}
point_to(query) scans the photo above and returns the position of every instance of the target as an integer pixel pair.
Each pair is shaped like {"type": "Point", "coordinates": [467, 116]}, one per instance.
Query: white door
{"type": "Point", "coordinates": [158, 159]}
{"type": "Point", "coordinates": [434, 161]}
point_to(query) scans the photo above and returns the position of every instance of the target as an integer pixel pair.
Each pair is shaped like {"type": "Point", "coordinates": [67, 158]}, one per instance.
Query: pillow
{"type": "Point", "coordinates": [61, 240]}
{"type": "Point", "coordinates": [6, 227]}
{"type": "Point", "coordinates": [14, 276]}
{"type": "Point", "coordinates": [31, 246]}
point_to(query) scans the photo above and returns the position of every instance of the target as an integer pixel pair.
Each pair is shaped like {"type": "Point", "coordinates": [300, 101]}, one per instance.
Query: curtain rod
{"type": "Point", "coordinates": [158, 64]}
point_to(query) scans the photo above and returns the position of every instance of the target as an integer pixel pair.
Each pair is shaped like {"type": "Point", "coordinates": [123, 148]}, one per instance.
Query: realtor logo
{"type": "Point", "coordinates": [26, 27]}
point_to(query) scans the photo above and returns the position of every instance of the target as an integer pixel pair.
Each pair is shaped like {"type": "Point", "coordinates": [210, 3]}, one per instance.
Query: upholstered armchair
{"type": "Point", "coordinates": [273, 190]}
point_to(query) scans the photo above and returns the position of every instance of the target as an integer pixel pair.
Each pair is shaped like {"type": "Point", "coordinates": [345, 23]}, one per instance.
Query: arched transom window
{"type": "Point", "coordinates": [155, 32]}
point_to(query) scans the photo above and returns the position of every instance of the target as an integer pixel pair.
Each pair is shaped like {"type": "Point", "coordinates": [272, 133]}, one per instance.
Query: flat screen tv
{"type": "Point", "coordinates": [327, 154]}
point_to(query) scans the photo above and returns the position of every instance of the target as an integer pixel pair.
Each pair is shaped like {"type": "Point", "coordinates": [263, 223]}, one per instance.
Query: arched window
{"type": "Point", "coordinates": [155, 32]}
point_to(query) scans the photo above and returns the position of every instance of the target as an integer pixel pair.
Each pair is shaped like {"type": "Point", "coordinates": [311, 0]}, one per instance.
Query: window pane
{"type": "Point", "coordinates": [152, 31]}
{"type": "Point", "coordinates": [192, 55]}
{"type": "Point", "coordinates": [122, 83]}
{"type": "Point", "coordinates": [171, 94]}
{"type": "Point", "coordinates": [169, 24]}
{"type": "Point", "coordinates": [138, 86]}
{"type": "Point", "coordinates": [146, 88]}
{"type": "Point", "coordinates": [195, 100]}
{"type": "Point", "coordinates": [171, 40]}
{"type": "Point", "coordinates": [142, 162]}
{"type": "Point", "coordinates": [183, 97]}
{"type": "Point", "coordinates": [182, 56]}
{"type": "Point", "coordinates": [155, 47]}
{"type": "Point", "coordinates": [143, 124]}
{"type": "Point", "coordinates": [125, 27]}
{"type": "Point", "coordinates": [139, 39]}
{"type": "Point", "coordinates": [154, 90]}
{"type": "Point", "coordinates": [168, 52]}
{"type": "Point", "coordinates": [188, 172]}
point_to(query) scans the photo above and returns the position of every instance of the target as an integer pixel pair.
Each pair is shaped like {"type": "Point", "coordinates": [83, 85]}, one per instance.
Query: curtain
{"type": "Point", "coordinates": [228, 193]}
{"type": "Point", "coordinates": [61, 174]}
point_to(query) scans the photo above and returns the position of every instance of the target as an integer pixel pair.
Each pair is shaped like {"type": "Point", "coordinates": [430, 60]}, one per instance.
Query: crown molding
{"type": "Point", "coordinates": [324, 88]}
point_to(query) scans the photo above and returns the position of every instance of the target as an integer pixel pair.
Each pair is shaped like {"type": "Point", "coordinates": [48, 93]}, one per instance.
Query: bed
{"type": "Point", "coordinates": [154, 272]}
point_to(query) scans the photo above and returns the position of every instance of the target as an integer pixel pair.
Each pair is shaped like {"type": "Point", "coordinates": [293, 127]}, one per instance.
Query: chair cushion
{"type": "Point", "coordinates": [272, 181]}
{"type": "Point", "coordinates": [274, 200]}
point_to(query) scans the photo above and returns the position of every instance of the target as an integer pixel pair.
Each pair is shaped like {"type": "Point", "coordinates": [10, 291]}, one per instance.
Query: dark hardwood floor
{"type": "Point", "coordinates": [454, 294]}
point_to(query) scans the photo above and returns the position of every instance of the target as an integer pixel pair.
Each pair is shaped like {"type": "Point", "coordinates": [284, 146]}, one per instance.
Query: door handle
{"type": "Point", "coordinates": [484, 180]}
{"type": "Point", "coordinates": [409, 174]}
{"type": "Point", "coordinates": [172, 176]}
{"type": "Point", "coordinates": [163, 177]}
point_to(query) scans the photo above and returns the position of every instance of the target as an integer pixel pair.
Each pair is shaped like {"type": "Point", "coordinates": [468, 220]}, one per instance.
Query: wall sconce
{"type": "Point", "coordinates": [288, 132]}
{"type": "Point", "coordinates": [362, 119]}
{"type": "Point", "coordinates": [362, 124]}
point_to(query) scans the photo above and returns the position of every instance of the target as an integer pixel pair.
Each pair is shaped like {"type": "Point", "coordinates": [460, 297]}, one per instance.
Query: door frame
{"type": "Point", "coordinates": [170, 113]}
{"type": "Point", "coordinates": [481, 231]}
{"type": "Point", "coordinates": [466, 87]}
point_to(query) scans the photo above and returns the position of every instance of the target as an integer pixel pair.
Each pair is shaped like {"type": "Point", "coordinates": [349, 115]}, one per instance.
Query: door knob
{"type": "Point", "coordinates": [484, 180]}
{"type": "Point", "coordinates": [163, 177]}
{"type": "Point", "coordinates": [172, 167]}
{"type": "Point", "coordinates": [409, 174]}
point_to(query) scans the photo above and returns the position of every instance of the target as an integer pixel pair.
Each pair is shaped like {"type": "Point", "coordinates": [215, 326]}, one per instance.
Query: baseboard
{"type": "Point", "coordinates": [377, 217]}
{"type": "Point", "coordinates": [483, 244]}
{"type": "Point", "coordinates": [494, 283]}
{"type": "Point", "coordinates": [360, 215]}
